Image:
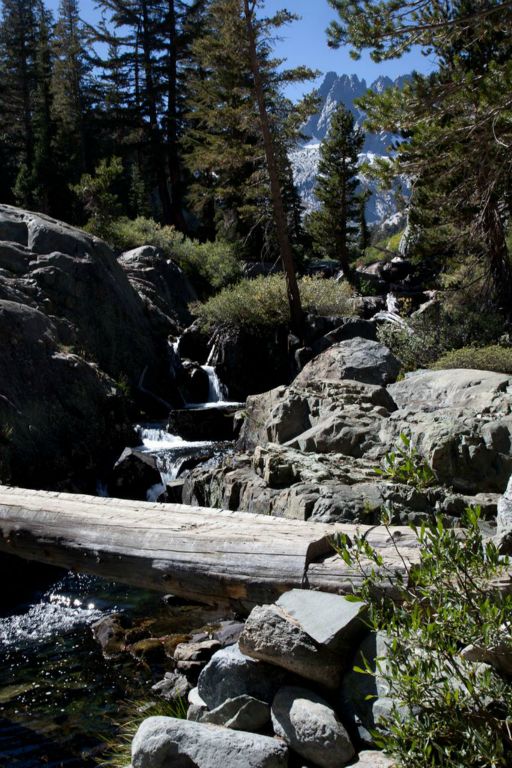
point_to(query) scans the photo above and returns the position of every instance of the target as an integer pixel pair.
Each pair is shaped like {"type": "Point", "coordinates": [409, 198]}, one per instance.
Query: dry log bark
{"type": "Point", "coordinates": [209, 555]}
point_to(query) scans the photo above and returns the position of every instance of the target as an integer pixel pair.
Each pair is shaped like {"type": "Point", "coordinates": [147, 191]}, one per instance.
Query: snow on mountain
{"type": "Point", "coordinates": [334, 90]}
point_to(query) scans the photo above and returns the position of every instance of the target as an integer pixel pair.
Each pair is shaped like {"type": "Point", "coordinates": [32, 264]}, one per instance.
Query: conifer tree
{"type": "Point", "coordinates": [457, 121]}
{"type": "Point", "coordinates": [69, 86]}
{"type": "Point", "coordinates": [18, 69]}
{"type": "Point", "coordinates": [224, 145]}
{"type": "Point", "coordinates": [335, 226]}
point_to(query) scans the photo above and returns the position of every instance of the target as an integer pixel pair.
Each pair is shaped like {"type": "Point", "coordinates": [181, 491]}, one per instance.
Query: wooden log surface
{"type": "Point", "coordinates": [209, 555]}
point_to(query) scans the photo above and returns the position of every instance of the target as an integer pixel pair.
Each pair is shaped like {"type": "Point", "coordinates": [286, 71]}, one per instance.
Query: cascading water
{"type": "Point", "coordinates": [216, 390]}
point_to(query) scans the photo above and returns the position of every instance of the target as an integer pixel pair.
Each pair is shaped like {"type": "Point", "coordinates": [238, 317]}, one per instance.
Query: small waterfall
{"type": "Point", "coordinates": [216, 390]}
{"type": "Point", "coordinates": [170, 451]}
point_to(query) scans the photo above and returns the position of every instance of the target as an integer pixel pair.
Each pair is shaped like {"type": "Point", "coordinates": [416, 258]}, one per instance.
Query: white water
{"type": "Point", "coordinates": [55, 614]}
{"type": "Point", "coordinates": [216, 390]}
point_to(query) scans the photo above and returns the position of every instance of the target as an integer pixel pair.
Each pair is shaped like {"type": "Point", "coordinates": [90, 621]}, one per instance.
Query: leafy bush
{"type": "Point", "coordinates": [449, 711]}
{"type": "Point", "coordinates": [424, 338]}
{"type": "Point", "coordinates": [406, 465]}
{"type": "Point", "coordinates": [263, 302]}
{"type": "Point", "coordinates": [211, 265]}
{"type": "Point", "coordinates": [492, 358]}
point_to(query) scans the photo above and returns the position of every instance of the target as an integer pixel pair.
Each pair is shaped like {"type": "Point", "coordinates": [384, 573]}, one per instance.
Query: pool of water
{"type": "Point", "coordinates": [59, 697]}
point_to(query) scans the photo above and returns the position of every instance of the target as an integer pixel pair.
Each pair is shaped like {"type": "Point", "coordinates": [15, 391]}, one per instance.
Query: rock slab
{"type": "Point", "coordinates": [331, 620]}
{"type": "Point", "coordinates": [269, 635]}
{"type": "Point", "coordinates": [162, 742]}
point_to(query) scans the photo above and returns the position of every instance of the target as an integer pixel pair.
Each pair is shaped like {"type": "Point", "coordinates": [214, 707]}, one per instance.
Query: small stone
{"type": "Point", "coordinates": [311, 728]}
{"type": "Point", "coordinates": [373, 759]}
{"type": "Point", "coordinates": [199, 651]}
{"type": "Point", "coordinates": [173, 687]}
{"type": "Point", "coordinates": [269, 635]}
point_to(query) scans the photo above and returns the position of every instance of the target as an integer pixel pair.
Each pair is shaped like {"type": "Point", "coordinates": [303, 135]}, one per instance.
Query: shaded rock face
{"type": "Point", "coordinates": [359, 359]}
{"type": "Point", "coordinates": [162, 285]}
{"type": "Point", "coordinates": [248, 363]}
{"type": "Point", "coordinates": [60, 415]}
{"type": "Point", "coordinates": [71, 326]}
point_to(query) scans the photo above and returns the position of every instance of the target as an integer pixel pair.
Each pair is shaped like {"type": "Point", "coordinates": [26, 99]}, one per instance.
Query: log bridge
{"type": "Point", "coordinates": [206, 555]}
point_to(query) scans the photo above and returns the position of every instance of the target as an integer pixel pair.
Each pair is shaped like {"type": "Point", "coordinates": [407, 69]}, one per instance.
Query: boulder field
{"type": "Point", "coordinates": [313, 449]}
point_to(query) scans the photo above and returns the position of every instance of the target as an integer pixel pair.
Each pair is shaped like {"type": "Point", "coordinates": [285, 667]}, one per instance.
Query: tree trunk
{"type": "Point", "coordinates": [172, 124]}
{"type": "Point", "coordinates": [154, 132]}
{"type": "Point", "coordinates": [285, 248]}
{"type": "Point", "coordinates": [500, 266]}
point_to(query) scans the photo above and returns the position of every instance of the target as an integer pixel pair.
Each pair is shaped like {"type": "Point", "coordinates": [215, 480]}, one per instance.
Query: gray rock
{"type": "Point", "coordinates": [230, 674]}
{"type": "Point", "coordinates": [162, 742]}
{"type": "Point", "coordinates": [371, 759]}
{"type": "Point", "coordinates": [360, 359]}
{"type": "Point", "coordinates": [331, 620]}
{"type": "Point", "coordinates": [339, 416]}
{"type": "Point", "coordinates": [364, 698]}
{"type": "Point", "coordinates": [244, 713]}
{"type": "Point", "coordinates": [269, 635]}
{"type": "Point", "coordinates": [173, 687]}
{"type": "Point", "coordinates": [460, 388]}
{"type": "Point", "coordinates": [200, 651]}
{"type": "Point", "coordinates": [311, 728]}
{"type": "Point", "coordinates": [498, 655]}
{"type": "Point", "coordinates": [504, 520]}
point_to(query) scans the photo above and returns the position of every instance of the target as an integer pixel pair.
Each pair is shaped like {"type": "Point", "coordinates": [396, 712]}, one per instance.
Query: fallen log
{"type": "Point", "coordinates": [208, 555]}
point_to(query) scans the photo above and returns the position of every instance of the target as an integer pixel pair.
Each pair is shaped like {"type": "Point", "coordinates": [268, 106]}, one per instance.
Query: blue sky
{"type": "Point", "coordinates": [304, 42]}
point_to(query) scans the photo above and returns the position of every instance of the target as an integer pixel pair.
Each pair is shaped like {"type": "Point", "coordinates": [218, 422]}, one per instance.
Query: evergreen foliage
{"type": "Point", "coordinates": [456, 122]}
{"type": "Point", "coordinates": [335, 226]}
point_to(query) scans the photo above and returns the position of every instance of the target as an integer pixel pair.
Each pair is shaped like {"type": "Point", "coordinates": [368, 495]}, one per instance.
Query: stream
{"type": "Point", "coordinates": [59, 697]}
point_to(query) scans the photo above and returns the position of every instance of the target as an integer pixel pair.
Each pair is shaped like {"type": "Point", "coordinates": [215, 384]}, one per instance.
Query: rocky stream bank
{"type": "Point", "coordinates": [92, 342]}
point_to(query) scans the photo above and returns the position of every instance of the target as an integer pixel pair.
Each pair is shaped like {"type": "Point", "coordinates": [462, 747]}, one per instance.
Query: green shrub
{"type": "Point", "coordinates": [492, 358]}
{"type": "Point", "coordinates": [211, 265]}
{"type": "Point", "coordinates": [263, 302]}
{"type": "Point", "coordinates": [406, 465]}
{"type": "Point", "coordinates": [449, 711]}
{"type": "Point", "coordinates": [426, 337]}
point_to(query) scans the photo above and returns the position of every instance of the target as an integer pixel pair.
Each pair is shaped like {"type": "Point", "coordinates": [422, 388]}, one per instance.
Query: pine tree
{"type": "Point", "coordinates": [225, 152]}
{"type": "Point", "coordinates": [335, 225]}
{"type": "Point", "coordinates": [457, 121]}
{"type": "Point", "coordinates": [71, 70]}
{"type": "Point", "coordinates": [18, 69]}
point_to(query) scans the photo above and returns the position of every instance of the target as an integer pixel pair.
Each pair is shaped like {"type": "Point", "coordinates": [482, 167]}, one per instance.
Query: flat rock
{"type": "Point", "coordinates": [270, 635]}
{"type": "Point", "coordinates": [360, 359]}
{"type": "Point", "coordinates": [461, 388]}
{"type": "Point", "coordinates": [162, 742]}
{"type": "Point", "coordinates": [331, 620]}
{"type": "Point", "coordinates": [230, 673]}
{"type": "Point", "coordinates": [173, 687]}
{"type": "Point", "coordinates": [311, 728]}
